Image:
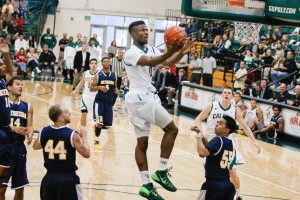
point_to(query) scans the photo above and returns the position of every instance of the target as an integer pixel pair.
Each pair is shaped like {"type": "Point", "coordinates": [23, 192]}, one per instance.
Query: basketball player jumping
{"type": "Point", "coordinates": [213, 112]}
{"type": "Point", "coordinates": [144, 106]}
{"type": "Point", "coordinates": [88, 97]}
{"type": "Point", "coordinates": [21, 125]}
{"type": "Point", "coordinates": [6, 71]}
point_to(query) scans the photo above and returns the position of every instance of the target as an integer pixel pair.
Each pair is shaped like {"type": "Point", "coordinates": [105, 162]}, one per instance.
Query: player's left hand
{"type": "Point", "coordinates": [258, 147]}
{"type": "Point", "coordinates": [188, 46]}
{"type": "Point", "coordinates": [195, 128]}
{"type": "Point", "coordinates": [117, 92]}
{"type": "Point", "coordinates": [29, 139]}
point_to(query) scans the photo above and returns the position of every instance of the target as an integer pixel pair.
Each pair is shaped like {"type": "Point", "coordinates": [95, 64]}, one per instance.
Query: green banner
{"type": "Point", "coordinates": [286, 10]}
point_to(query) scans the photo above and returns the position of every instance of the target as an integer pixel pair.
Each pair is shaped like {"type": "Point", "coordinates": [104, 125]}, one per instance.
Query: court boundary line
{"type": "Point", "coordinates": [244, 173]}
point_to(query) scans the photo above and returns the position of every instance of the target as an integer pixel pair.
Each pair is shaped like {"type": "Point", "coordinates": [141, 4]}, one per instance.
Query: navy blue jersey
{"type": "Point", "coordinates": [58, 150]}
{"type": "Point", "coordinates": [18, 114]}
{"type": "Point", "coordinates": [275, 121]}
{"type": "Point", "coordinates": [219, 160]}
{"type": "Point", "coordinates": [107, 80]}
{"type": "Point", "coordinates": [4, 105]}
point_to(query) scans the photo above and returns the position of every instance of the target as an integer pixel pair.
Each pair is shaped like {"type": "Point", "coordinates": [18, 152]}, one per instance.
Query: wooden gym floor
{"type": "Point", "coordinates": [111, 173]}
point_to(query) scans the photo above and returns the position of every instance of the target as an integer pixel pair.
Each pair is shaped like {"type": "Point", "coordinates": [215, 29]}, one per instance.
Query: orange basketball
{"type": "Point", "coordinates": [174, 32]}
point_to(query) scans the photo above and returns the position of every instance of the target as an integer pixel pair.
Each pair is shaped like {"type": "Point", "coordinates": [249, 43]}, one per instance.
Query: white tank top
{"type": "Point", "coordinates": [250, 116]}
{"type": "Point", "coordinates": [216, 113]}
{"type": "Point", "coordinates": [88, 76]}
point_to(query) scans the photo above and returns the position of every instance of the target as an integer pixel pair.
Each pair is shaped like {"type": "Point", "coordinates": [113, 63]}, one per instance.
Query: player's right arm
{"type": "Point", "coordinates": [81, 145]}
{"type": "Point", "coordinates": [81, 83]}
{"type": "Point", "coordinates": [37, 145]}
{"type": "Point", "coordinates": [202, 116]}
{"type": "Point", "coordinates": [4, 49]}
{"type": "Point", "coordinates": [260, 116]}
{"type": "Point", "coordinates": [95, 88]}
{"type": "Point", "coordinates": [202, 151]}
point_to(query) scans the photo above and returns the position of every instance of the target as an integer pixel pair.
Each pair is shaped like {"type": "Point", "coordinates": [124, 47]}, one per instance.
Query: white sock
{"type": "Point", "coordinates": [145, 177]}
{"type": "Point", "coordinates": [97, 139]}
{"type": "Point", "coordinates": [163, 164]}
{"type": "Point", "coordinates": [238, 192]}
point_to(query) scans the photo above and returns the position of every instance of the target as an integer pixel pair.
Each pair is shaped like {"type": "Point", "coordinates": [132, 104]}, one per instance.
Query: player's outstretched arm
{"type": "Point", "coordinates": [30, 125]}
{"type": "Point", "coordinates": [202, 116]}
{"type": "Point", "coordinates": [247, 130]}
{"type": "Point", "coordinates": [202, 151]}
{"type": "Point", "coordinates": [80, 84]}
{"type": "Point", "coordinates": [81, 145]}
{"type": "Point", "coordinates": [4, 49]}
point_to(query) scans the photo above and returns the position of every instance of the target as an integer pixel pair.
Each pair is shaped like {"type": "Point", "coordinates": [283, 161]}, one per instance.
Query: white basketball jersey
{"type": "Point", "coordinates": [250, 116]}
{"type": "Point", "coordinates": [216, 113]}
{"type": "Point", "coordinates": [88, 76]}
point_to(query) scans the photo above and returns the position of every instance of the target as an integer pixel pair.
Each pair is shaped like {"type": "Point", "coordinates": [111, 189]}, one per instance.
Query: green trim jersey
{"type": "Point", "coordinates": [216, 113]}
{"type": "Point", "coordinates": [88, 77]}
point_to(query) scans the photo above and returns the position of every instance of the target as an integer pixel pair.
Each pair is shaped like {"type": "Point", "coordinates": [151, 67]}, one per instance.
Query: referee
{"type": "Point", "coordinates": [117, 67]}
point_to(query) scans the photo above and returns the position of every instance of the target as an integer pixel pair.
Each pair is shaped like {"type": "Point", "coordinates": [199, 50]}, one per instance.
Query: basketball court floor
{"type": "Point", "coordinates": [111, 173]}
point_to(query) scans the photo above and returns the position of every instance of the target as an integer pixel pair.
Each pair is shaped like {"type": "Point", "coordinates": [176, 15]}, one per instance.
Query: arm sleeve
{"type": "Point", "coordinates": [131, 57]}
{"type": "Point", "coordinates": [214, 146]}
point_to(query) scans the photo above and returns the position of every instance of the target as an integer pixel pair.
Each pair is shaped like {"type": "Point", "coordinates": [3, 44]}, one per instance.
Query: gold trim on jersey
{"type": "Point", "coordinates": [18, 114]}
{"type": "Point", "coordinates": [4, 92]}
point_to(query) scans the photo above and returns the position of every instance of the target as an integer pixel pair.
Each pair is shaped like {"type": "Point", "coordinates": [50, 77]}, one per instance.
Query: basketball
{"type": "Point", "coordinates": [174, 32]}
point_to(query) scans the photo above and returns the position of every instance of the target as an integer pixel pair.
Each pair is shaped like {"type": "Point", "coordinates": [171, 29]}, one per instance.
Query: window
{"type": "Point", "coordinates": [159, 40]}
{"type": "Point", "coordinates": [121, 37]}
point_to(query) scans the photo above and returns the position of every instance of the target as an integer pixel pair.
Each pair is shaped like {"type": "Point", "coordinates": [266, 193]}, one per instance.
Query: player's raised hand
{"type": "Point", "coordinates": [4, 46]}
{"type": "Point", "coordinates": [188, 46]}
{"type": "Point", "coordinates": [82, 132]}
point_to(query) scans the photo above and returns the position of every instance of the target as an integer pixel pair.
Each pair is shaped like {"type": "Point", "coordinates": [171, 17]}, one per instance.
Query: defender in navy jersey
{"type": "Point", "coordinates": [219, 153]}
{"type": "Point", "coordinates": [59, 144]}
{"type": "Point", "coordinates": [21, 125]}
{"type": "Point", "coordinates": [105, 84]}
{"type": "Point", "coordinates": [276, 126]}
{"type": "Point", "coordinates": [6, 71]}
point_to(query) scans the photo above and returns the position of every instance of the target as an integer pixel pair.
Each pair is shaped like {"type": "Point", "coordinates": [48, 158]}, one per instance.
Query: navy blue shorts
{"type": "Point", "coordinates": [217, 190]}
{"type": "Point", "coordinates": [18, 171]}
{"type": "Point", "coordinates": [5, 149]}
{"type": "Point", "coordinates": [62, 185]}
{"type": "Point", "coordinates": [103, 113]}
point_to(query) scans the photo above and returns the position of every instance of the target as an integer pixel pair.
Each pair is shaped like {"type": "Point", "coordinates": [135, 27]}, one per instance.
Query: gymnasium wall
{"type": "Point", "coordinates": [78, 9]}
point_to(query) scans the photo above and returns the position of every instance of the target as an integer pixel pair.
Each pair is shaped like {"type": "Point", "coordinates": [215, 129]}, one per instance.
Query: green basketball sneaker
{"type": "Point", "coordinates": [149, 192]}
{"type": "Point", "coordinates": [161, 177]}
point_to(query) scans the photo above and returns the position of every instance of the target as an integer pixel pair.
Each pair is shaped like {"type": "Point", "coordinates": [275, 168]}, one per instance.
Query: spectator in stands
{"type": "Point", "coordinates": [285, 42]}
{"type": "Point", "coordinates": [6, 18]}
{"type": "Point", "coordinates": [96, 39]}
{"type": "Point", "coordinates": [268, 41]}
{"type": "Point", "coordinates": [155, 75]}
{"type": "Point", "coordinates": [284, 95]}
{"type": "Point", "coordinates": [79, 42]}
{"type": "Point", "coordinates": [12, 31]}
{"type": "Point", "coordinates": [112, 49]}
{"type": "Point", "coordinates": [118, 67]}
{"type": "Point", "coordinates": [251, 46]}
{"type": "Point", "coordinates": [277, 62]}
{"type": "Point", "coordinates": [20, 23]}
{"type": "Point", "coordinates": [69, 56]}
{"type": "Point", "coordinates": [237, 101]}
{"type": "Point", "coordinates": [224, 47]}
{"type": "Point", "coordinates": [9, 6]}
{"type": "Point", "coordinates": [85, 40]}
{"type": "Point", "coordinates": [265, 33]}
{"type": "Point", "coordinates": [296, 98]}
{"type": "Point", "coordinates": [257, 62]}
{"type": "Point", "coordinates": [173, 92]}
{"type": "Point", "coordinates": [240, 77]}
{"type": "Point", "coordinates": [296, 31]}
{"type": "Point", "coordinates": [182, 64]}
{"type": "Point", "coordinates": [94, 49]}
{"type": "Point", "coordinates": [21, 43]}
{"type": "Point", "coordinates": [196, 68]}
{"type": "Point", "coordinates": [81, 64]}
{"type": "Point", "coordinates": [21, 60]}
{"type": "Point", "coordinates": [256, 86]}
{"type": "Point", "coordinates": [218, 30]}
{"type": "Point", "coordinates": [260, 50]}
{"type": "Point", "coordinates": [47, 59]}
{"type": "Point", "coordinates": [216, 44]}
{"type": "Point", "coordinates": [277, 32]}
{"type": "Point", "coordinates": [248, 60]}
{"type": "Point", "coordinates": [209, 65]}
{"type": "Point", "coordinates": [249, 90]}
{"type": "Point", "coordinates": [274, 43]}
{"type": "Point", "coordinates": [265, 91]}
{"type": "Point", "coordinates": [288, 67]}
{"type": "Point", "coordinates": [275, 129]}
{"type": "Point", "coordinates": [31, 42]}
{"type": "Point", "coordinates": [16, 6]}
{"type": "Point", "coordinates": [254, 116]}
{"type": "Point", "coordinates": [62, 44]}
{"type": "Point", "coordinates": [279, 48]}
{"type": "Point", "coordinates": [167, 81]}
{"type": "Point", "coordinates": [268, 60]}
{"type": "Point", "coordinates": [24, 8]}
{"type": "Point", "coordinates": [33, 61]}
{"type": "Point", "coordinates": [48, 39]}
